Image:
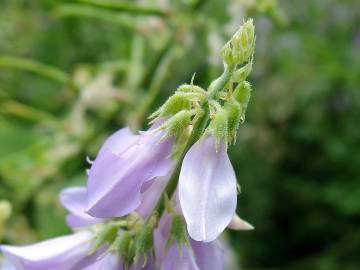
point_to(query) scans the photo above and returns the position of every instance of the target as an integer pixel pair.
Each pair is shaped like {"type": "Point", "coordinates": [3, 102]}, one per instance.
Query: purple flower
{"type": "Point", "coordinates": [61, 253]}
{"type": "Point", "coordinates": [108, 262]}
{"type": "Point", "coordinates": [151, 196]}
{"type": "Point", "coordinates": [207, 190]}
{"type": "Point", "coordinates": [72, 252]}
{"type": "Point", "coordinates": [74, 200]}
{"type": "Point", "coordinates": [122, 170]}
{"type": "Point", "coordinates": [179, 257]}
{"type": "Point", "coordinates": [196, 256]}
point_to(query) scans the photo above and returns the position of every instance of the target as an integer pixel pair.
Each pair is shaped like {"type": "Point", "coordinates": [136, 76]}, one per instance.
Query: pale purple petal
{"type": "Point", "coordinates": [209, 256]}
{"type": "Point", "coordinates": [108, 262]}
{"type": "Point", "coordinates": [119, 141]}
{"type": "Point", "coordinates": [115, 180]}
{"type": "Point", "coordinates": [151, 196]}
{"type": "Point", "coordinates": [161, 235]}
{"type": "Point", "coordinates": [74, 200]}
{"type": "Point", "coordinates": [179, 258]}
{"type": "Point", "coordinates": [207, 190]}
{"type": "Point", "coordinates": [60, 253]}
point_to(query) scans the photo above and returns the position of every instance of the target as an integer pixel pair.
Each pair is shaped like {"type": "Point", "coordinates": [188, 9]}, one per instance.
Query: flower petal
{"type": "Point", "coordinates": [119, 141]}
{"type": "Point", "coordinates": [60, 253]}
{"type": "Point", "coordinates": [207, 190]}
{"type": "Point", "coordinates": [108, 262]}
{"type": "Point", "coordinates": [179, 258]}
{"type": "Point", "coordinates": [151, 196]}
{"type": "Point", "coordinates": [74, 200]}
{"type": "Point", "coordinates": [238, 223]}
{"type": "Point", "coordinates": [115, 181]}
{"type": "Point", "coordinates": [209, 256]}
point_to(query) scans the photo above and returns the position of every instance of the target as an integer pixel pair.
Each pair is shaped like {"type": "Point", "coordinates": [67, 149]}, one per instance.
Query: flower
{"type": "Point", "coordinates": [71, 252]}
{"type": "Point", "coordinates": [62, 253]}
{"type": "Point", "coordinates": [207, 189]}
{"type": "Point", "coordinates": [74, 200]}
{"type": "Point", "coordinates": [122, 170]}
{"type": "Point", "coordinates": [191, 255]}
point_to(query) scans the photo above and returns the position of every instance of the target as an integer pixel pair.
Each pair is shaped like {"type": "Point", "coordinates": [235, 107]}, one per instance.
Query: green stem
{"type": "Point", "coordinates": [27, 112]}
{"type": "Point", "coordinates": [217, 85]}
{"type": "Point", "coordinates": [76, 10]}
{"type": "Point", "coordinates": [128, 7]}
{"type": "Point", "coordinates": [198, 129]}
{"type": "Point", "coordinates": [36, 67]}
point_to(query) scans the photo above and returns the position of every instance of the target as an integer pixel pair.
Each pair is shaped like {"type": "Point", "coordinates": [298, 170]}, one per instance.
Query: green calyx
{"type": "Point", "coordinates": [106, 235]}
{"type": "Point", "coordinates": [234, 112]}
{"type": "Point", "coordinates": [242, 94]}
{"type": "Point", "coordinates": [218, 126]}
{"type": "Point", "coordinates": [143, 241]}
{"type": "Point", "coordinates": [177, 231]}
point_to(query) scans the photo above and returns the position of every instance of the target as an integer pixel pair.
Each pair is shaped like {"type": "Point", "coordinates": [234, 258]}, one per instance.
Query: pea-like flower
{"type": "Point", "coordinates": [207, 189]}
{"type": "Point", "coordinates": [62, 253]}
{"type": "Point", "coordinates": [123, 170]}
{"type": "Point", "coordinates": [191, 255]}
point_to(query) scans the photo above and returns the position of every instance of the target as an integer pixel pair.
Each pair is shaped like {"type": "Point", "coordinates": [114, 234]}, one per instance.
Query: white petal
{"type": "Point", "coordinates": [239, 224]}
{"type": "Point", "coordinates": [207, 190]}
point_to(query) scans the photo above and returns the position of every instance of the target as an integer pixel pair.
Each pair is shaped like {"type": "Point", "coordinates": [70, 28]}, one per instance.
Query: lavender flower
{"type": "Point", "coordinates": [123, 167]}
{"type": "Point", "coordinates": [207, 190]}
{"type": "Point", "coordinates": [70, 252]}
{"type": "Point", "coordinates": [191, 255]}
{"type": "Point", "coordinates": [61, 253]}
{"type": "Point", "coordinates": [74, 200]}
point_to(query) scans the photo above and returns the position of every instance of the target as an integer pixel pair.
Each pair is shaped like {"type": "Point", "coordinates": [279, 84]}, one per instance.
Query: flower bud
{"type": "Point", "coordinates": [242, 73]}
{"type": "Point", "coordinates": [240, 47]}
{"type": "Point", "coordinates": [176, 103]}
{"type": "Point", "coordinates": [177, 124]}
{"type": "Point", "coordinates": [242, 94]}
{"type": "Point", "coordinates": [233, 110]}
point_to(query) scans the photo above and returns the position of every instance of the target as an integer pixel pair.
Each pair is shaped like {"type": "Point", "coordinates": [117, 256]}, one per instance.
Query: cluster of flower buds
{"type": "Point", "coordinates": [144, 207]}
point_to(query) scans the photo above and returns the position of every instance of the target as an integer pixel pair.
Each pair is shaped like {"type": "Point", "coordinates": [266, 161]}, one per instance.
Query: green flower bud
{"type": "Point", "coordinates": [234, 112]}
{"type": "Point", "coordinates": [242, 73]}
{"type": "Point", "coordinates": [190, 88]}
{"type": "Point", "coordinates": [241, 46]}
{"type": "Point", "coordinates": [242, 94]}
{"type": "Point", "coordinates": [177, 124]}
{"type": "Point", "coordinates": [176, 103]}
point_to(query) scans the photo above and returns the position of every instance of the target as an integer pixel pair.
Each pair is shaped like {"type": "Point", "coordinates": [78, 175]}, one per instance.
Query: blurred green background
{"type": "Point", "coordinates": [72, 72]}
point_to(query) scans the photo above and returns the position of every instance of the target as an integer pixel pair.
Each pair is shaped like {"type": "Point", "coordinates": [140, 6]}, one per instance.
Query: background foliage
{"type": "Point", "coordinates": [72, 72]}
